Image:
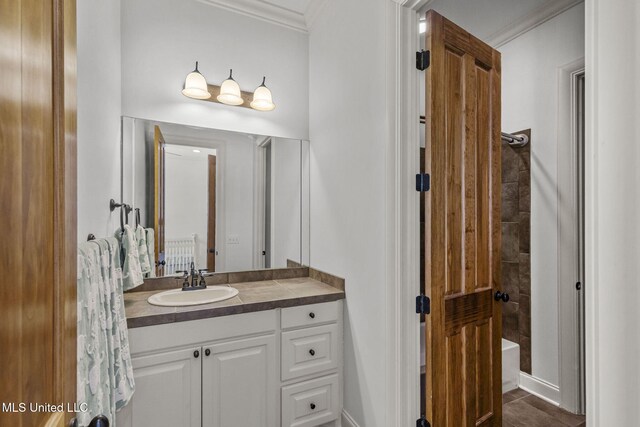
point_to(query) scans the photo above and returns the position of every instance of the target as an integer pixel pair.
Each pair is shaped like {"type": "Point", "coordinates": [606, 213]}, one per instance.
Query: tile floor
{"type": "Point", "coordinates": [521, 409]}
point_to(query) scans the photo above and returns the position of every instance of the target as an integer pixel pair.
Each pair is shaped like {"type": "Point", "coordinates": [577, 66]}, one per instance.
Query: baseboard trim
{"type": "Point", "coordinates": [540, 388]}
{"type": "Point", "coordinates": [348, 421]}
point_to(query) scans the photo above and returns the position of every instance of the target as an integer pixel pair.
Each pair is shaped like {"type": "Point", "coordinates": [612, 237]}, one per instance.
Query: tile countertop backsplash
{"type": "Point", "coordinates": [258, 290]}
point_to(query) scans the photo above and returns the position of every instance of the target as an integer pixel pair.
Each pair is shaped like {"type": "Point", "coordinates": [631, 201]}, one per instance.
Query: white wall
{"type": "Point", "coordinates": [530, 69]}
{"type": "Point", "coordinates": [99, 109]}
{"type": "Point", "coordinates": [285, 205]}
{"type": "Point", "coordinates": [239, 169]}
{"type": "Point", "coordinates": [348, 131]}
{"type": "Point", "coordinates": [613, 209]}
{"type": "Point", "coordinates": [162, 39]}
{"type": "Point", "coordinates": [186, 200]}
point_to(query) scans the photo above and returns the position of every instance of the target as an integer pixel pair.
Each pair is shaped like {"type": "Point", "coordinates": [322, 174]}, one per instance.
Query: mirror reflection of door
{"type": "Point", "coordinates": [267, 206]}
{"type": "Point", "coordinates": [159, 146]}
{"type": "Point", "coordinates": [211, 220]}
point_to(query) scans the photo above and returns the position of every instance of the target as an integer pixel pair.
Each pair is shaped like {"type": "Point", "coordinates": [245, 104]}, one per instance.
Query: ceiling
{"type": "Point", "coordinates": [498, 21]}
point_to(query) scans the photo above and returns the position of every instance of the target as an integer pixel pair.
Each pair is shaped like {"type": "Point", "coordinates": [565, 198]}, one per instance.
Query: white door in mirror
{"type": "Point", "coordinates": [179, 298]}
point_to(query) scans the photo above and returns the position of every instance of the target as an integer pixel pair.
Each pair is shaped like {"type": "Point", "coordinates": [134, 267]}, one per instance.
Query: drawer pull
{"type": "Point", "coordinates": [312, 315]}
{"type": "Point", "coordinates": [312, 406]}
{"type": "Point", "coordinates": [207, 352]}
{"type": "Point", "coordinates": [312, 352]}
{"type": "Point", "coordinates": [196, 354]}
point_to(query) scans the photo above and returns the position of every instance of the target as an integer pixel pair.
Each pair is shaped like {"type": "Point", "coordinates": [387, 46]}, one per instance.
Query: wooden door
{"type": "Point", "coordinates": [159, 146]}
{"type": "Point", "coordinates": [239, 383]}
{"type": "Point", "coordinates": [38, 214]}
{"type": "Point", "coordinates": [168, 390]}
{"type": "Point", "coordinates": [462, 245]}
{"type": "Point", "coordinates": [211, 220]}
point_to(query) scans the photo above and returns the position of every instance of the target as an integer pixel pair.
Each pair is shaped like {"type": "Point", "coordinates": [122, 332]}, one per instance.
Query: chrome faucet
{"type": "Point", "coordinates": [197, 278]}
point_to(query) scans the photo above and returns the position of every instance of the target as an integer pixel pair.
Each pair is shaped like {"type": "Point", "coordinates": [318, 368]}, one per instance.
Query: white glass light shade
{"type": "Point", "coordinates": [195, 85]}
{"type": "Point", "coordinates": [230, 92]}
{"type": "Point", "coordinates": [262, 99]}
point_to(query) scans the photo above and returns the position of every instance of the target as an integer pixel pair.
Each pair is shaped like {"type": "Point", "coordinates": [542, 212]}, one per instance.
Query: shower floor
{"type": "Point", "coordinates": [521, 409]}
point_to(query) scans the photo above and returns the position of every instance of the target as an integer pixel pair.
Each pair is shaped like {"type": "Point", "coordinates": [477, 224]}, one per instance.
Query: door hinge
{"type": "Point", "coordinates": [423, 304]}
{"type": "Point", "coordinates": [423, 182]}
{"type": "Point", "coordinates": [423, 60]}
{"type": "Point", "coordinates": [422, 422]}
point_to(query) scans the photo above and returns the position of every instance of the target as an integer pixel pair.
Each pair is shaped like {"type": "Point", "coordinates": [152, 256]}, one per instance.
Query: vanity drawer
{"type": "Point", "coordinates": [309, 315]}
{"type": "Point", "coordinates": [309, 351]}
{"type": "Point", "coordinates": [311, 403]}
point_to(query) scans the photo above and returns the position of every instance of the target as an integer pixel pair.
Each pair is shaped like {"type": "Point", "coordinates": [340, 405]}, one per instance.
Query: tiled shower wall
{"type": "Point", "coordinates": [516, 262]}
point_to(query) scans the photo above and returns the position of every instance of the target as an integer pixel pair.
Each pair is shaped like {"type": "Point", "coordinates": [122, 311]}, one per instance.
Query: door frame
{"type": "Point", "coordinates": [570, 308]}
{"type": "Point", "coordinates": [402, 213]}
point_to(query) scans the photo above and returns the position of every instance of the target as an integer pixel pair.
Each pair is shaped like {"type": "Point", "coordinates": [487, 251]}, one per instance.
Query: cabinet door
{"type": "Point", "coordinates": [167, 390]}
{"type": "Point", "coordinates": [239, 383]}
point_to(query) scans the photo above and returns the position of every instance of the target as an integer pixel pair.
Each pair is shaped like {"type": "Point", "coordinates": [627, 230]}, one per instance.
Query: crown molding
{"type": "Point", "coordinates": [415, 5]}
{"type": "Point", "coordinates": [313, 11]}
{"type": "Point", "coordinates": [264, 11]}
{"type": "Point", "coordinates": [538, 16]}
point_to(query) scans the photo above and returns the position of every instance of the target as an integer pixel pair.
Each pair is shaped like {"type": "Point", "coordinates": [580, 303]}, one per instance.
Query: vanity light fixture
{"type": "Point", "coordinates": [195, 85]}
{"type": "Point", "coordinates": [230, 92]}
{"type": "Point", "coordinates": [262, 99]}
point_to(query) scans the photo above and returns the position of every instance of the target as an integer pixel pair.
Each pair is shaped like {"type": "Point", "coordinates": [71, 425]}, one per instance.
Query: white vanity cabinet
{"type": "Point", "coordinates": [280, 367]}
{"type": "Point", "coordinates": [238, 379]}
{"type": "Point", "coordinates": [311, 365]}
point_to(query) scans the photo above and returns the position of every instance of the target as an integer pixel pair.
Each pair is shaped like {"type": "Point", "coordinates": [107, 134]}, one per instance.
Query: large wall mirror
{"type": "Point", "coordinates": [226, 201]}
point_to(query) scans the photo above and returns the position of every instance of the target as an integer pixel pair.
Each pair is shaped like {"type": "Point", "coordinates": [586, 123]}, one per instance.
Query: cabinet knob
{"type": "Point", "coordinates": [312, 406]}
{"type": "Point", "coordinates": [196, 354]}
{"type": "Point", "coordinates": [312, 315]}
{"type": "Point", "coordinates": [312, 352]}
{"type": "Point", "coordinates": [207, 352]}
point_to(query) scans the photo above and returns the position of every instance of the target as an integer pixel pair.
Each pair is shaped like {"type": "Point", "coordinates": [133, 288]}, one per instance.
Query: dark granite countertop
{"type": "Point", "coordinates": [252, 296]}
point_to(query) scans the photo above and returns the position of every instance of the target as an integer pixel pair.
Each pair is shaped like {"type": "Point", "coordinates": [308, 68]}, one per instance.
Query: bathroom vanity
{"type": "Point", "coordinates": [271, 356]}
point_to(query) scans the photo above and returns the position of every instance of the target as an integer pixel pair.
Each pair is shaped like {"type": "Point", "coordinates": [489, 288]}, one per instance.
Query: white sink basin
{"type": "Point", "coordinates": [180, 298]}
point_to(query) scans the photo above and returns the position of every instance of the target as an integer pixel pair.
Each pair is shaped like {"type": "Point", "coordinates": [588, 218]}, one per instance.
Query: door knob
{"type": "Point", "coordinates": [501, 296]}
{"type": "Point", "coordinates": [99, 421]}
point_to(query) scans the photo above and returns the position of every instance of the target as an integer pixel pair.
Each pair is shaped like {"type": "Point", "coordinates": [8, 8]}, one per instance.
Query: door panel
{"type": "Point", "coordinates": [462, 232]}
{"type": "Point", "coordinates": [37, 189]}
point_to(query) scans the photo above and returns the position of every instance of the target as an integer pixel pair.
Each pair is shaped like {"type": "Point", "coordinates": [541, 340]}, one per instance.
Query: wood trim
{"type": "Point", "coordinates": [65, 202]}
{"type": "Point", "coordinates": [211, 221]}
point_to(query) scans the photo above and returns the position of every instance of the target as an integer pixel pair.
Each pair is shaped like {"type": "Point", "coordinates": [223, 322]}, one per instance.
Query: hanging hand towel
{"type": "Point", "coordinates": [151, 251]}
{"type": "Point", "coordinates": [131, 271]}
{"type": "Point", "coordinates": [104, 368]}
{"type": "Point", "coordinates": [141, 238]}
